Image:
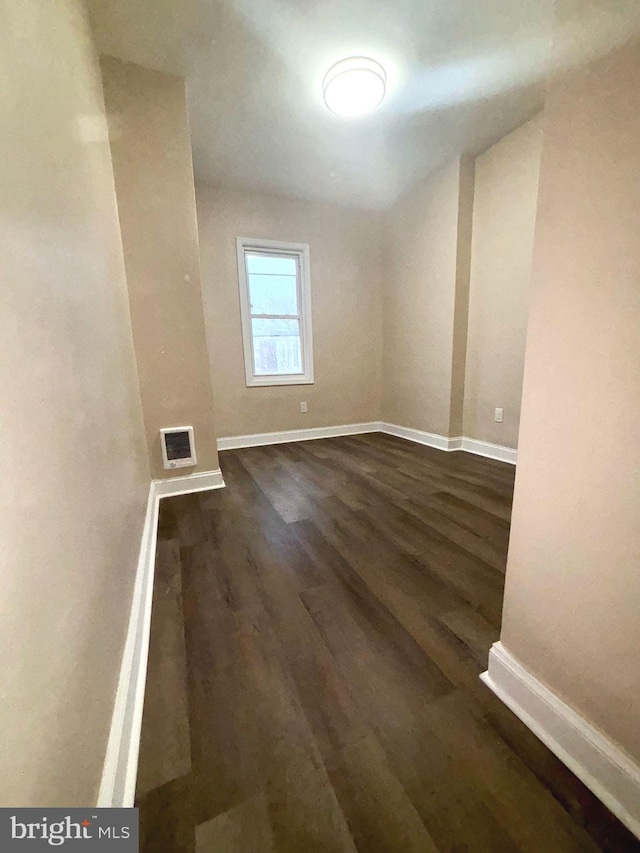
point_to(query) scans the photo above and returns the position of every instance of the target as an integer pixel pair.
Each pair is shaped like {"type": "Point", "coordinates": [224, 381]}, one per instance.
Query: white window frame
{"type": "Point", "coordinates": [300, 251]}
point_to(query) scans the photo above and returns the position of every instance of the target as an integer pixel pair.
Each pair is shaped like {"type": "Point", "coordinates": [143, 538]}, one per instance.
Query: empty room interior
{"type": "Point", "coordinates": [320, 361]}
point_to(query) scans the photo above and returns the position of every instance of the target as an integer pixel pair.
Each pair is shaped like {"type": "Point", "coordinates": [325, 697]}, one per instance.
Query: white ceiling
{"type": "Point", "coordinates": [255, 98]}
{"type": "Point", "coordinates": [461, 74]}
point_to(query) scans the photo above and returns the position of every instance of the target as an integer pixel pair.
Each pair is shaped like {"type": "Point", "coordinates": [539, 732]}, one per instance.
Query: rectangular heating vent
{"type": "Point", "coordinates": [178, 449]}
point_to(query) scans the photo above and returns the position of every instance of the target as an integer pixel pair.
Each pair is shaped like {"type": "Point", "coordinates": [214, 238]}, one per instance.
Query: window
{"type": "Point", "coordinates": [275, 303]}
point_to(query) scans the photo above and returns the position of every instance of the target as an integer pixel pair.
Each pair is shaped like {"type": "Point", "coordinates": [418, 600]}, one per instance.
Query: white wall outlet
{"type": "Point", "coordinates": [303, 407]}
{"type": "Point", "coordinates": [498, 415]}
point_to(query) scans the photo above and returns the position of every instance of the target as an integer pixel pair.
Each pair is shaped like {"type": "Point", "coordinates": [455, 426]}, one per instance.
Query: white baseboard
{"type": "Point", "coordinates": [443, 442]}
{"type": "Point", "coordinates": [118, 783]}
{"type": "Point", "coordinates": [430, 439]}
{"type": "Point", "coordinates": [235, 442]}
{"type": "Point", "coordinates": [491, 451]}
{"type": "Point", "coordinates": [117, 787]}
{"type": "Point", "coordinates": [189, 483]}
{"type": "Point", "coordinates": [603, 767]}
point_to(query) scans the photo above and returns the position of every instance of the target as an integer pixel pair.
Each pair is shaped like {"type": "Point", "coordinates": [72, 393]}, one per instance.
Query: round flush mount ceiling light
{"type": "Point", "coordinates": [354, 86]}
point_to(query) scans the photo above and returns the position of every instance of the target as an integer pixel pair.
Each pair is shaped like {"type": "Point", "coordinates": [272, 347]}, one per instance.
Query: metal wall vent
{"type": "Point", "coordinates": [178, 448]}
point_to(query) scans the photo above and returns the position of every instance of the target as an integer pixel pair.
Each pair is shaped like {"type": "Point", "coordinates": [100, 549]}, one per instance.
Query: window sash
{"type": "Point", "coordinates": [276, 316]}
{"type": "Point", "coordinates": [290, 342]}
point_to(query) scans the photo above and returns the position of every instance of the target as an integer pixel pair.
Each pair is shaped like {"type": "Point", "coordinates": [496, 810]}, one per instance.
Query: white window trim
{"type": "Point", "coordinates": [301, 252]}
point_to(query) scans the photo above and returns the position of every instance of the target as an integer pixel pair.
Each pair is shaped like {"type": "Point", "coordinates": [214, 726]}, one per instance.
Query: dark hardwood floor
{"type": "Point", "coordinates": [318, 631]}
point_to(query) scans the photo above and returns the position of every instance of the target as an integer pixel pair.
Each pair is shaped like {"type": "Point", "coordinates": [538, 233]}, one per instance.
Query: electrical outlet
{"type": "Point", "coordinates": [303, 407]}
{"type": "Point", "coordinates": [498, 415]}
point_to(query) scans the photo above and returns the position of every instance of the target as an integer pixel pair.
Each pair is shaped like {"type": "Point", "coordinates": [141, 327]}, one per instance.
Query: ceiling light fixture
{"type": "Point", "coordinates": [354, 86]}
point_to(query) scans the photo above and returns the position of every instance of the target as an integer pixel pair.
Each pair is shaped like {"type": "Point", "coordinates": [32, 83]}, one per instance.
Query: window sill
{"type": "Point", "coordinates": [269, 381]}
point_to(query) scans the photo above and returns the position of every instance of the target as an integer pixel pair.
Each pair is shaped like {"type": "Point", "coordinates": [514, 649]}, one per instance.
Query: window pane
{"type": "Point", "coordinates": [270, 264]}
{"type": "Point", "coordinates": [272, 284]}
{"type": "Point", "coordinates": [273, 294]}
{"type": "Point", "coordinates": [276, 347]}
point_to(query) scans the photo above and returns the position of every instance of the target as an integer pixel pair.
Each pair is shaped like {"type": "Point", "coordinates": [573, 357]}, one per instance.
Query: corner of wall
{"type": "Point", "coordinates": [461, 298]}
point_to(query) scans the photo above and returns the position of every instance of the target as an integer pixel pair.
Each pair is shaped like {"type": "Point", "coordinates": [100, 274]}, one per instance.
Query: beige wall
{"type": "Point", "coordinates": [345, 248]}
{"type": "Point", "coordinates": [421, 284]}
{"type": "Point", "coordinates": [573, 584]}
{"type": "Point", "coordinates": [74, 475]}
{"type": "Point", "coordinates": [153, 33]}
{"type": "Point", "coordinates": [151, 151]}
{"type": "Point", "coordinates": [506, 192]}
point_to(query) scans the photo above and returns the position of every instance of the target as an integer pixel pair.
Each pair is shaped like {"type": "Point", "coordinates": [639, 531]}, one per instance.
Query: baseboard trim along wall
{"type": "Point", "coordinates": [603, 767]}
{"type": "Point", "coordinates": [185, 485]}
{"type": "Point", "coordinates": [234, 442]}
{"type": "Point", "coordinates": [490, 451]}
{"type": "Point", "coordinates": [118, 775]}
{"type": "Point", "coordinates": [430, 439]}
{"type": "Point", "coordinates": [118, 783]}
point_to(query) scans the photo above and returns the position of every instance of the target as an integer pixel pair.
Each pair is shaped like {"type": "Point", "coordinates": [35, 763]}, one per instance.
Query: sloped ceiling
{"type": "Point", "coordinates": [461, 75]}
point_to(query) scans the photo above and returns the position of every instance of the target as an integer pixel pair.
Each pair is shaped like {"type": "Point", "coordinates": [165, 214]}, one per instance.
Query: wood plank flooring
{"type": "Point", "coordinates": [318, 631]}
